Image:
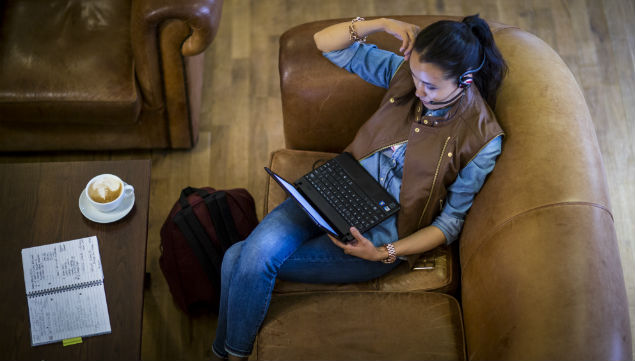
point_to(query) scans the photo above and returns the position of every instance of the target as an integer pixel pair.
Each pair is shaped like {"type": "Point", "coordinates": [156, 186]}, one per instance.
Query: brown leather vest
{"type": "Point", "coordinates": [438, 147]}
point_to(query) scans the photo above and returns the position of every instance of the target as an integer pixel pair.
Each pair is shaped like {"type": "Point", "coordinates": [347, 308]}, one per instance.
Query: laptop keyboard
{"type": "Point", "coordinates": [351, 203]}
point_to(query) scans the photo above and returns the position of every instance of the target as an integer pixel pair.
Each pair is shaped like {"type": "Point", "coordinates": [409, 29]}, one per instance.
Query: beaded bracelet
{"type": "Point", "coordinates": [354, 35]}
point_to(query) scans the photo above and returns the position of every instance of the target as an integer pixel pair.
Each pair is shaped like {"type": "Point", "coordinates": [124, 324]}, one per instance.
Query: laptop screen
{"type": "Point", "coordinates": [304, 203]}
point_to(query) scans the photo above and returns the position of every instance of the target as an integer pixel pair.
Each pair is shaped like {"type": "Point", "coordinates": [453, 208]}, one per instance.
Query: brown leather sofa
{"type": "Point", "coordinates": [536, 273]}
{"type": "Point", "coordinates": [102, 74]}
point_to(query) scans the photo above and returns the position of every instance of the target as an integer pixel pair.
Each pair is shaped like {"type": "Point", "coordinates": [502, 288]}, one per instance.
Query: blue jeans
{"type": "Point", "coordinates": [287, 245]}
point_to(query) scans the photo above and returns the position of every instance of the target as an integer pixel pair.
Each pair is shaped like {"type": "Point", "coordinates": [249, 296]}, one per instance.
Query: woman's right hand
{"type": "Point", "coordinates": [337, 36]}
{"type": "Point", "coordinates": [403, 31]}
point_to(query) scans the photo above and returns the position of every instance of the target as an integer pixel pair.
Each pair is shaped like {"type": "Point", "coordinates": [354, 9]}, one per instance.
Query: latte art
{"type": "Point", "coordinates": [105, 189]}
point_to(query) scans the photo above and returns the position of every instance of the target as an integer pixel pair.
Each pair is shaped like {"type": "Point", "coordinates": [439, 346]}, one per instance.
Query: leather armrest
{"type": "Point", "coordinates": [201, 16]}
{"type": "Point", "coordinates": [540, 265]}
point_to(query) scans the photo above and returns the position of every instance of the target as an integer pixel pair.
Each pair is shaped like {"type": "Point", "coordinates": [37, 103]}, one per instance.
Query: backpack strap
{"type": "Point", "coordinates": [223, 220]}
{"type": "Point", "coordinates": [186, 192]}
{"type": "Point", "coordinates": [198, 240]}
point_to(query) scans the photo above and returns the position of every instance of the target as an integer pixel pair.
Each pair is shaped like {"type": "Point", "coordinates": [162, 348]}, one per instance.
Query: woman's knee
{"type": "Point", "coordinates": [287, 213]}
{"type": "Point", "coordinates": [270, 243]}
{"type": "Point", "coordinates": [231, 258]}
{"type": "Point", "coordinates": [252, 256]}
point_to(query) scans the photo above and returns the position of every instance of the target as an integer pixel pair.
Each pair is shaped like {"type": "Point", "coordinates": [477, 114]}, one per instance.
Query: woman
{"type": "Point", "coordinates": [431, 144]}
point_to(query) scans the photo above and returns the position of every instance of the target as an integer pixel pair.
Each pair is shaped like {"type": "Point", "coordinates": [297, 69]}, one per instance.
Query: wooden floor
{"type": "Point", "coordinates": [241, 118]}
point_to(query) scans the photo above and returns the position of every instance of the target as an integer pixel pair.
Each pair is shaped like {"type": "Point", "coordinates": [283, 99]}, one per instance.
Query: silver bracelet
{"type": "Point", "coordinates": [351, 28]}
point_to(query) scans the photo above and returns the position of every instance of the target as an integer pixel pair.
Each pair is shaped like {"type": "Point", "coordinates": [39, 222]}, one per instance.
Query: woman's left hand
{"type": "Point", "coordinates": [361, 247]}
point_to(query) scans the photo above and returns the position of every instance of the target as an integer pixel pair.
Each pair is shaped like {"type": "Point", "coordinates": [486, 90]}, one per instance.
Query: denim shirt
{"type": "Point", "coordinates": [377, 67]}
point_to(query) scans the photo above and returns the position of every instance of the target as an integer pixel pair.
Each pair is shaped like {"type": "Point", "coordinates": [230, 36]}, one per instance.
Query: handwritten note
{"type": "Point", "coordinates": [65, 290]}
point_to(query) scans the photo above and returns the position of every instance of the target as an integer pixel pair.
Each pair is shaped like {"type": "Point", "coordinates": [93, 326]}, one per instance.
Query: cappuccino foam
{"type": "Point", "coordinates": [105, 189]}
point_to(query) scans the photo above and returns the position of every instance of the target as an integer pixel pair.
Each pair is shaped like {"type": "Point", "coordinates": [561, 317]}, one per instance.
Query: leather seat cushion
{"type": "Point", "coordinates": [396, 326]}
{"type": "Point", "coordinates": [67, 62]}
{"type": "Point", "coordinates": [439, 266]}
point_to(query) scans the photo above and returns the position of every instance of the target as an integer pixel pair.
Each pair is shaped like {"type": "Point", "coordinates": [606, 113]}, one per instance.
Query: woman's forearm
{"type": "Point", "coordinates": [421, 241]}
{"type": "Point", "coordinates": [337, 36]}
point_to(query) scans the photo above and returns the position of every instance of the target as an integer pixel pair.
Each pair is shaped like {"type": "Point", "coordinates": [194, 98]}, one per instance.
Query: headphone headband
{"type": "Point", "coordinates": [465, 82]}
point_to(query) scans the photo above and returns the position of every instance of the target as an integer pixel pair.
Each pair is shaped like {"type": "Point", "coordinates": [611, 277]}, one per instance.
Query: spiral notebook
{"type": "Point", "coordinates": [65, 291]}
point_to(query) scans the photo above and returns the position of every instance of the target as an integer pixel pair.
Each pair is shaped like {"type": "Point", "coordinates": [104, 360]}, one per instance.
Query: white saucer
{"type": "Point", "coordinates": [95, 215]}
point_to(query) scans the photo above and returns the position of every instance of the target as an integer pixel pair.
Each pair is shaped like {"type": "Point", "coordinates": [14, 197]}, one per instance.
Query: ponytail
{"type": "Point", "coordinates": [490, 77]}
{"type": "Point", "coordinates": [458, 47]}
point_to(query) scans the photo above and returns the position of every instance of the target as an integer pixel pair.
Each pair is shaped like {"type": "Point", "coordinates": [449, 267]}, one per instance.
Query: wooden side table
{"type": "Point", "coordinates": [40, 205]}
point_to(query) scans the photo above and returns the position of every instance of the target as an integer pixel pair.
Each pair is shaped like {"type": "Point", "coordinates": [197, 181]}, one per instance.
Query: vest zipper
{"type": "Point", "coordinates": [382, 148]}
{"type": "Point", "coordinates": [434, 181]}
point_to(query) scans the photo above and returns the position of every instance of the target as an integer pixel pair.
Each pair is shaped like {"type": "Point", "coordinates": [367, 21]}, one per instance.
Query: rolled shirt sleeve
{"type": "Point", "coordinates": [462, 192]}
{"type": "Point", "coordinates": [376, 66]}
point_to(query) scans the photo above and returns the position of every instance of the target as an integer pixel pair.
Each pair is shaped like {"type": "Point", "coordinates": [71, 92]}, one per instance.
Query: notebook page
{"type": "Point", "coordinates": [63, 264]}
{"type": "Point", "coordinates": [78, 312]}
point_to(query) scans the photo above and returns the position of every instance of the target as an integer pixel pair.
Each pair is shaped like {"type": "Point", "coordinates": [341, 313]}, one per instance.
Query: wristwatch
{"type": "Point", "coordinates": [392, 255]}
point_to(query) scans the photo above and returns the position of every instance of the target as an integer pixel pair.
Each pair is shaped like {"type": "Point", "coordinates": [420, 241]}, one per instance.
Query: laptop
{"type": "Point", "coordinates": [341, 194]}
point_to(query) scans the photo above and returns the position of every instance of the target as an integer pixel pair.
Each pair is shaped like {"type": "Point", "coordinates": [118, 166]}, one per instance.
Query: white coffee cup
{"type": "Point", "coordinates": [105, 192]}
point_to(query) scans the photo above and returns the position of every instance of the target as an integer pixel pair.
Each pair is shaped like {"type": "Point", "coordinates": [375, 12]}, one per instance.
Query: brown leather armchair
{"type": "Point", "coordinates": [102, 74]}
{"type": "Point", "coordinates": [539, 275]}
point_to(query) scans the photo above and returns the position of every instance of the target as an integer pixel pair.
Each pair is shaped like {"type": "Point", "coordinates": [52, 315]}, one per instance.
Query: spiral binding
{"type": "Point", "coordinates": [55, 290]}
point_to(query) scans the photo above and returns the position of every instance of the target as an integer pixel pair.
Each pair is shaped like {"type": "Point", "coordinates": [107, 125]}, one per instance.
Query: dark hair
{"type": "Point", "coordinates": [457, 47]}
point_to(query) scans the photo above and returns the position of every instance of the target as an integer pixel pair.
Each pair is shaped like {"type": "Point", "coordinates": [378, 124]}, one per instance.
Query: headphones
{"type": "Point", "coordinates": [464, 81]}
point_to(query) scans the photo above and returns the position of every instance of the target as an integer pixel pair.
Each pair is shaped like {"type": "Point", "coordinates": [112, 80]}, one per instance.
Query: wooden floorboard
{"type": "Point", "coordinates": [241, 119]}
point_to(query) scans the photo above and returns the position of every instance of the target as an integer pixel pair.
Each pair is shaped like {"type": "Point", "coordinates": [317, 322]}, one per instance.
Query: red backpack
{"type": "Point", "coordinates": [201, 226]}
